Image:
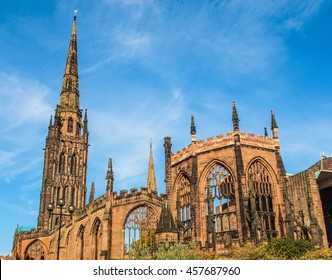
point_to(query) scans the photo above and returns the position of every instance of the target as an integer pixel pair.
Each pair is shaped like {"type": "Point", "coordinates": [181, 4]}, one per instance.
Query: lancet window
{"type": "Point", "coordinates": [184, 207]}
{"type": "Point", "coordinates": [62, 163]}
{"type": "Point", "coordinates": [73, 166]}
{"type": "Point", "coordinates": [261, 212]}
{"type": "Point", "coordinates": [80, 243]}
{"type": "Point", "coordinates": [221, 216]}
{"type": "Point", "coordinates": [96, 235]}
{"type": "Point", "coordinates": [140, 223]}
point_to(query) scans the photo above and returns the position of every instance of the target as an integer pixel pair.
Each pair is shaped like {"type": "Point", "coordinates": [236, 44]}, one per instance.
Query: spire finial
{"type": "Point", "coordinates": [274, 126]}
{"type": "Point", "coordinates": [85, 122]}
{"type": "Point", "coordinates": [265, 132]}
{"type": "Point", "coordinates": [273, 120]}
{"type": "Point", "coordinates": [235, 117]}
{"type": "Point", "coordinates": [92, 192]}
{"type": "Point", "coordinates": [151, 181]}
{"type": "Point", "coordinates": [75, 13]}
{"type": "Point", "coordinates": [109, 176]}
{"type": "Point", "coordinates": [193, 128]}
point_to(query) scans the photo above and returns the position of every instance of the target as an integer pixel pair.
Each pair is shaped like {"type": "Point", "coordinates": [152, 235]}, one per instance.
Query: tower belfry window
{"type": "Point", "coordinates": [70, 124]}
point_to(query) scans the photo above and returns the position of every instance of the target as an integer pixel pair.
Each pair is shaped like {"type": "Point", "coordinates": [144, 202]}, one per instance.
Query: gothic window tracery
{"type": "Point", "coordinates": [260, 188]}
{"type": "Point", "coordinates": [70, 125]}
{"type": "Point", "coordinates": [220, 201]}
{"type": "Point", "coordinates": [140, 221]}
{"type": "Point", "coordinates": [35, 251]}
{"type": "Point", "coordinates": [184, 207]}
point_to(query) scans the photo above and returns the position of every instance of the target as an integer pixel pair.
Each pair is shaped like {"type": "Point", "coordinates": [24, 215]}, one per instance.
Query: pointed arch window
{"type": "Point", "coordinates": [96, 233]}
{"type": "Point", "coordinates": [78, 129]}
{"type": "Point", "coordinates": [140, 222]}
{"type": "Point", "coordinates": [62, 163]}
{"type": "Point", "coordinates": [35, 251]}
{"type": "Point", "coordinates": [220, 201]}
{"type": "Point", "coordinates": [80, 237]}
{"type": "Point", "coordinates": [74, 163]}
{"type": "Point", "coordinates": [184, 207]}
{"type": "Point", "coordinates": [262, 215]}
{"type": "Point", "coordinates": [70, 125]}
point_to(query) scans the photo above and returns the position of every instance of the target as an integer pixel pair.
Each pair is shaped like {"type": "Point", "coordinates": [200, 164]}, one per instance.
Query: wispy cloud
{"type": "Point", "coordinates": [23, 108]}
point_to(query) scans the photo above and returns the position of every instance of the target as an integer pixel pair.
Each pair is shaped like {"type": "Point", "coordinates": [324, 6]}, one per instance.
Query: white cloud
{"type": "Point", "coordinates": [23, 112]}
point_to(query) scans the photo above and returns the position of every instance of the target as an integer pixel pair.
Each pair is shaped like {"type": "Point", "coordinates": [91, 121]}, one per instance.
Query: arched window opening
{"type": "Point", "coordinates": [70, 124]}
{"type": "Point", "coordinates": [78, 129]}
{"type": "Point", "coordinates": [72, 198]}
{"type": "Point", "coordinates": [62, 162]}
{"type": "Point", "coordinates": [73, 166]}
{"type": "Point", "coordinates": [262, 215]}
{"type": "Point", "coordinates": [35, 251]}
{"type": "Point", "coordinates": [96, 238]}
{"type": "Point", "coordinates": [184, 206]}
{"type": "Point", "coordinates": [139, 222]}
{"type": "Point", "coordinates": [65, 194]}
{"type": "Point", "coordinates": [80, 243]}
{"type": "Point", "coordinates": [220, 206]}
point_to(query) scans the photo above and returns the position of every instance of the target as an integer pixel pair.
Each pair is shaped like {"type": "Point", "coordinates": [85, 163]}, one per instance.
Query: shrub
{"type": "Point", "coordinates": [287, 249]}
{"type": "Point", "coordinates": [250, 252]}
{"type": "Point", "coordinates": [276, 249]}
{"type": "Point", "coordinates": [318, 254]}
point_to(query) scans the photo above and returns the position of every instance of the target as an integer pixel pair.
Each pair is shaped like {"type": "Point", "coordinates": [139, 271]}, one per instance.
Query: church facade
{"type": "Point", "coordinates": [221, 192]}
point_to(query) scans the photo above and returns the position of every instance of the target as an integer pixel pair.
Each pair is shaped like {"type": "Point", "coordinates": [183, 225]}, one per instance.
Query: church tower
{"type": "Point", "coordinates": [66, 150]}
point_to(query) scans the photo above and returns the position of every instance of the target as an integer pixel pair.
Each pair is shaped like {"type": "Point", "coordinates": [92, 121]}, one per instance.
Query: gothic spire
{"type": "Point", "coordinates": [166, 222]}
{"type": "Point", "coordinates": [151, 182]}
{"type": "Point", "coordinates": [69, 97]}
{"type": "Point", "coordinates": [235, 117]}
{"type": "Point", "coordinates": [193, 129]}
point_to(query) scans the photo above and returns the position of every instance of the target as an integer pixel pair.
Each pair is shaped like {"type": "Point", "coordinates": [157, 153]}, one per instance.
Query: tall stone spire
{"type": "Point", "coordinates": [235, 117]}
{"type": "Point", "coordinates": [193, 129]}
{"type": "Point", "coordinates": [151, 182]}
{"type": "Point", "coordinates": [69, 97]}
{"type": "Point", "coordinates": [66, 149]}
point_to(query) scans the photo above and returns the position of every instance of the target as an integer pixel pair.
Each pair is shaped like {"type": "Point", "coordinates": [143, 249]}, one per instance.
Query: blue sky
{"type": "Point", "coordinates": [144, 67]}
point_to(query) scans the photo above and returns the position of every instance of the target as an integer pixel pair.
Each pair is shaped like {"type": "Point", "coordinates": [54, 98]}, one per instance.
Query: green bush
{"type": "Point", "coordinates": [318, 254]}
{"type": "Point", "coordinates": [183, 251]}
{"type": "Point", "coordinates": [177, 251]}
{"type": "Point", "coordinates": [287, 249]}
{"type": "Point", "coordinates": [276, 249]}
{"type": "Point", "coordinates": [250, 252]}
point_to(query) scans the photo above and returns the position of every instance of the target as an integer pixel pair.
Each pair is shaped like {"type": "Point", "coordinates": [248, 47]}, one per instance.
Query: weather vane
{"type": "Point", "coordinates": [75, 12]}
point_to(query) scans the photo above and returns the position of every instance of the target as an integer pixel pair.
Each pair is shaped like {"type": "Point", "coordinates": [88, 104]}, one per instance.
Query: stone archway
{"type": "Point", "coordinates": [35, 251]}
